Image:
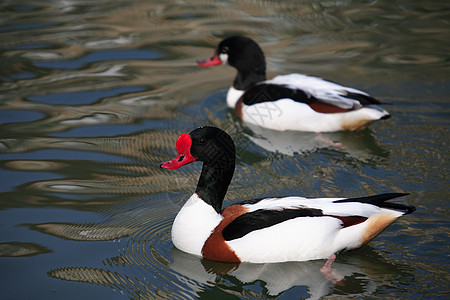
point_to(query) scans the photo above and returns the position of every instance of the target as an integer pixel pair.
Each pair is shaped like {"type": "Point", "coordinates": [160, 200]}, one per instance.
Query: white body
{"type": "Point", "coordinates": [287, 114]}
{"type": "Point", "coordinates": [299, 239]}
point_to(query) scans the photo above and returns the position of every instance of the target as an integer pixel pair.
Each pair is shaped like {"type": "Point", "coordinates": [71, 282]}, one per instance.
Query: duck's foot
{"type": "Point", "coordinates": [331, 274]}
{"type": "Point", "coordinates": [321, 138]}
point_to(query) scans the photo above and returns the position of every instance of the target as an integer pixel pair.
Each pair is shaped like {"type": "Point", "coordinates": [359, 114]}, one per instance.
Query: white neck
{"type": "Point", "coordinates": [193, 225]}
{"type": "Point", "coordinates": [233, 96]}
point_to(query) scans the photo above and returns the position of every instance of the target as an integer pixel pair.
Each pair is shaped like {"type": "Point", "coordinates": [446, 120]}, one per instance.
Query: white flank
{"type": "Point", "coordinates": [193, 225]}
{"type": "Point", "coordinates": [299, 239]}
{"type": "Point", "coordinates": [287, 114]}
{"type": "Point", "coordinates": [233, 96]}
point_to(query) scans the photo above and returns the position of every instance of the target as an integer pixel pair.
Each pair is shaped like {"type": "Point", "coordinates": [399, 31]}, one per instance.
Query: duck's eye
{"type": "Point", "coordinates": [181, 158]}
{"type": "Point", "coordinates": [225, 50]}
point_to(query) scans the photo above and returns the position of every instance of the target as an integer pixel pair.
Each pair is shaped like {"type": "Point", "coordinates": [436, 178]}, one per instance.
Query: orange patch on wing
{"type": "Point", "coordinates": [326, 108]}
{"type": "Point", "coordinates": [215, 247]}
{"type": "Point", "coordinates": [350, 221]}
{"type": "Point", "coordinates": [376, 224]}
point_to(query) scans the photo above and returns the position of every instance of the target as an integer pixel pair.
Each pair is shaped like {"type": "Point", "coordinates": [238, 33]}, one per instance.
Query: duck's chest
{"type": "Point", "coordinates": [193, 225]}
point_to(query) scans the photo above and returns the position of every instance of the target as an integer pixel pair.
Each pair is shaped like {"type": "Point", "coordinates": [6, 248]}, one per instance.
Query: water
{"type": "Point", "coordinates": [94, 94]}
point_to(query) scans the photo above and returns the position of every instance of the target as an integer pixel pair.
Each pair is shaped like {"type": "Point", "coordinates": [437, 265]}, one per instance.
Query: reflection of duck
{"type": "Point", "coordinates": [359, 144]}
{"type": "Point", "coordinates": [361, 274]}
{"type": "Point", "coordinates": [290, 102]}
{"type": "Point", "coordinates": [276, 278]}
{"type": "Point", "coordinates": [271, 229]}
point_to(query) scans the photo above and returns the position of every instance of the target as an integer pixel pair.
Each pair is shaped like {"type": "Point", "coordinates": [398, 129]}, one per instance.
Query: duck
{"type": "Point", "coordinates": [296, 102]}
{"type": "Point", "coordinates": [271, 229]}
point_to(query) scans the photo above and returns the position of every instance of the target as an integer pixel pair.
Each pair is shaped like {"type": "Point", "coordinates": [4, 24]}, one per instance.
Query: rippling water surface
{"type": "Point", "coordinates": [93, 95]}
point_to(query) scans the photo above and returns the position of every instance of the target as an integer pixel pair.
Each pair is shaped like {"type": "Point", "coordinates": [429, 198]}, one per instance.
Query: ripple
{"type": "Point", "coordinates": [88, 275]}
{"type": "Point", "coordinates": [43, 55]}
{"type": "Point", "coordinates": [34, 165]}
{"type": "Point", "coordinates": [83, 97]}
{"type": "Point", "coordinates": [99, 56]}
{"type": "Point", "coordinates": [20, 249]}
{"type": "Point", "coordinates": [117, 184]}
{"type": "Point", "coordinates": [84, 232]}
{"type": "Point", "coordinates": [148, 246]}
{"type": "Point", "coordinates": [98, 118]}
{"type": "Point", "coordinates": [110, 43]}
{"type": "Point", "coordinates": [407, 59]}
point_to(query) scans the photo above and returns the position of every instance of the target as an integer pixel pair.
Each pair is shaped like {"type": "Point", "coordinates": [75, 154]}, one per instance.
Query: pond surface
{"type": "Point", "coordinates": [93, 95]}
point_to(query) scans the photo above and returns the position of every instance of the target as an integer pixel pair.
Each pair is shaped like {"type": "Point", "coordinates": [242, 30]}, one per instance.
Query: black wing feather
{"type": "Point", "coordinates": [262, 218]}
{"type": "Point", "coordinates": [380, 201]}
{"type": "Point", "coordinates": [269, 92]}
{"type": "Point", "coordinates": [364, 99]}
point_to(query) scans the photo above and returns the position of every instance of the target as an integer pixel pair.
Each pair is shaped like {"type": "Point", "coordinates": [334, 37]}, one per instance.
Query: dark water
{"type": "Point", "coordinates": [93, 95]}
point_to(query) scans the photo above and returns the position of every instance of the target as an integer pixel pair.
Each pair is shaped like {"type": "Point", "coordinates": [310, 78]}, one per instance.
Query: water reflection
{"type": "Point", "coordinates": [203, 279]}
{"type": "Point", "coordinates": [274, 278]}
{"type": "Point", "coordinates": [359, 145]}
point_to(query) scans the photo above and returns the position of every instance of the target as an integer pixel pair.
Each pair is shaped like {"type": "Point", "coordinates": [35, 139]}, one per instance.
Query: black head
{"type": "Point", "coordinates": [210, 144]}
{"type": "Point", "coordinates": [215, 148]}
{"type": "Point", "coordinates": [243, 54]}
